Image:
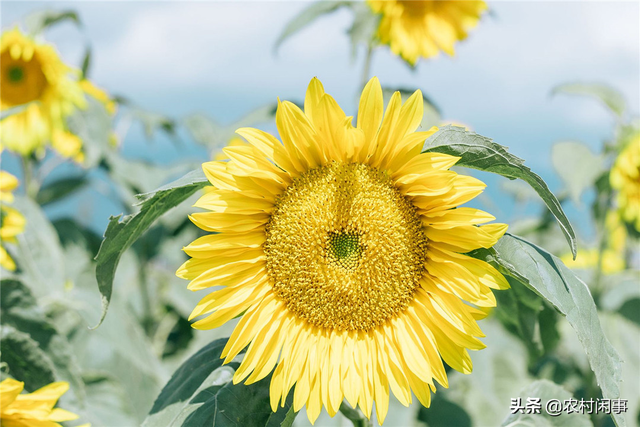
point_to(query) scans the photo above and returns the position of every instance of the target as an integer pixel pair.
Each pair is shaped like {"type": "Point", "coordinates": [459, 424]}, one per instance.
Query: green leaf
{"type": "Point", "coordinates": [499, 373]}
{"type": "Point", "coordinates": [578, 167]}
{"type": "Point", "coordinates": [93, 125]}
{"type": "Point", "coordinates": [478, 152]}
{"type": "Point", "coordinates": [610, 97]}
{"type": "Point", "coordinates": [431, 115]}
{"type": "Point", "coordinates": [201, 393]}
{"type": "Point", "coordinates": [60, 189]}
{"type": "Point", "coordinates": [364, 27]}
{"type": "Point", "coordinates": [107, 403]}
{"type": "Point", "coordinates": [623, 295]}
{"type": "Point", "coordinates": [39, 253]}
{"type": "Point", "coordinates": [135, 176]}
{"type": "Point", "coordinates": [443, 413]}
{"type": "Point", "coordinates": [41, 20]}
{"type": "Point", "coordinates": [546, 390]}
{"type": "Point", "coordinates": [121, 234]}
{"type": "Point", "coordinates": [86, 63]}
{"type": "Point", "coordinates": [514, 310]}
{"type": "Point", "coordinates": [206, 131]}
{"type": "Point", "coordinates": [20, 310]}
{"type": "Point", "coordinates": [625, 336]}
{"type": "Point", "coordinates": [308, 16]}
{"type": "Point", "coordinates": [27, 362]}
{"type": "Point", "coordinates": [155, 121]}
{"type": "Point", "coordinates": [548, 277]}
{"type": "Point", "coordinates": [71, 232]}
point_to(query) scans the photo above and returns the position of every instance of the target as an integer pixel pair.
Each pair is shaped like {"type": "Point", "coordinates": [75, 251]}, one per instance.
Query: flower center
{"type": "Point", "coordinates": [22, 81]}
{"type": "Point", "coordinates": [15, 74]}
{"type": "Point", "coordinates": [345, 249]}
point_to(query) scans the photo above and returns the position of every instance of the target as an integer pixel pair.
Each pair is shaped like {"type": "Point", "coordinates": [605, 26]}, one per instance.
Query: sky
{"type": "Point", "coordinates": [217, 58]}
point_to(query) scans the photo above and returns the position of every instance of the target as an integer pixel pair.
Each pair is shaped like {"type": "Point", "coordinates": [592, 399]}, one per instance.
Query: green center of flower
{"type": "Point", "coordinates": [15, 74]}
{"type": "Point", "coordinates": [344, 249]}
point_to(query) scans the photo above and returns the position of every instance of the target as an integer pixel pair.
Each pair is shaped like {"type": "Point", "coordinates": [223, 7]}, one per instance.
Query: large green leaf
{"type": "Point", "coordinates": [25, 360]}
{"type": "Point", "coordinates": [578, 167]}
{"type": "Point", "coordinates": [61, 188]}
{"type": "Point", "coordinates": [20, 310]}
{"type": "Point", "coordinates": [39, 254]}
{"type": "Point", "coordinates": [41, 20]}
{"type": "Point", "coordinates": [546, 390]}
{"type": "Point", "coordinates": [607, 95]}
{"type": "Point", "coordinates": [213, 135]}
{"type": "Point", "coordinates": [93, 125]}
{"type": "Point", "coordinates": [547, 276]}
{"type": "Point", "coordinates": [444, 413]}
{"type": "Point", "coordinates": [364, 27]}
{"type": "Point", "coordinates": [201, 393]}
{"type": "Point", "coordinates": [478, 152]}
{"type": "Point", "coordinates": [120, 234]}
{"type": "Point", "coordinates": [307, 16]}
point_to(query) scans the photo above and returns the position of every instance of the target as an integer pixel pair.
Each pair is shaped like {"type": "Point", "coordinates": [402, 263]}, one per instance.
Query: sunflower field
{"type": "Point", "coordinates": [328, 213]}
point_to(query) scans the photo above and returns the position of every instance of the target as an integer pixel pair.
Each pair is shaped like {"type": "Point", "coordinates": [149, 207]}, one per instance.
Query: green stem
{"type": "Point", "coordinates": [145, 295]}
{"type": "Point", "coordinates": [355, 416]}
{"type": "Point", "coordinates": [31, 186]}
{"type": "Point", "coordinates": [602, 244]}
{"type": "Point", "coordinates": [367, 66]}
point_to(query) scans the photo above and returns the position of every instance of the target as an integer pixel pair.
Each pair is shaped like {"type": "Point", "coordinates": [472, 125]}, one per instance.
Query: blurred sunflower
{"type": "Point", "coordinates": [415, 29]}
{"type": "Point", "coordinates": [613, 255]}
{"type": "Point", "coordinates": [342, 250]}
{"type": "Point", "coordinates": [34, 78]}
{"type": "Point", "coordinates": [11, 221]}
{"type": "Point", "coordinates": [625, 179]}
{"type": "Point", "coordinates": [32, 409]}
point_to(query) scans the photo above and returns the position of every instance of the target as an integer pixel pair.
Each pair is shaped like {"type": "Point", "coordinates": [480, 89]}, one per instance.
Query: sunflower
{"type": "Point", "coordinates": [341, 250]}
{"type": "Point", "coordinates": [45, 92]}
{"type": "Point", "coordinates": [625, 178]}
{"type": "Point", "coordinates": [32, 409]}
{"type": "Point", "coordinates": [11, 221]}
{"type": "Point", "coordinates": [415, 29]}
{"type": "Point", "coordinates": [34, 77]}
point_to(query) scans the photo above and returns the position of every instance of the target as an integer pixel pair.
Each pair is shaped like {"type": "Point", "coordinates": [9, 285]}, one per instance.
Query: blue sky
{"type": "Point", "coordinates": [216, 57]}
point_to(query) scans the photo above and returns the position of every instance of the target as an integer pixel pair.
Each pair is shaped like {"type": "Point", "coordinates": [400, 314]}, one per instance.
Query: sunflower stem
{"type": "Point", "coordinates": [355, 416]}
{"type": "Point", "coordinates": [145, 295]}
{"type": "Point", "coordinates": [367, 66]}
{"type": "Point", "coordinates": [30, 185]}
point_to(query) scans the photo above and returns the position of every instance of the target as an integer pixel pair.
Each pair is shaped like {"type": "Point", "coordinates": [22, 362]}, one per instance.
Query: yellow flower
{"type": "Point", "coordinates": [612, 261]}
{"type": "Point", "coordinates": [8, 183]}
{"type": "Point", "coordinates": [613, 256]}
{"type": "Point", "coordinates": [415, 29]}
{"type": "Point", "coordinates": [34, 76]}
{"type": "Point", "coordinates": [19, 409]}
{"type": "Point", "coordinates": [625, 178]}
{"type": "Point", "coordinates": [342, 250]}
{"type": "Point", "coordinates": [99, 94]}
{"type": "Point", "coordinates": [11, 221]}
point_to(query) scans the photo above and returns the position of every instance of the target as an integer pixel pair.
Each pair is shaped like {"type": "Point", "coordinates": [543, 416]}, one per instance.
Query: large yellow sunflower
{"type": "Point", "coordinates": [625, 178]}
{"type": "Point", "coordinates": [415, 29]}
{"type": "Point", "coordinates": [343, 250]}
{"type": "Point", "coordinates": [19, 409]}
{"type": "Point", "coordinates": [12, 222]}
